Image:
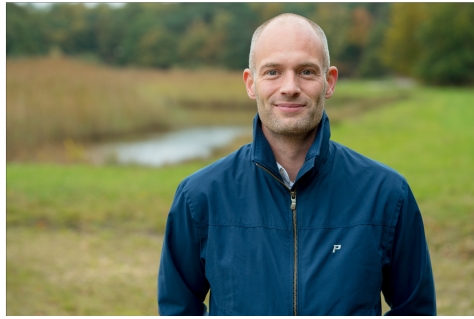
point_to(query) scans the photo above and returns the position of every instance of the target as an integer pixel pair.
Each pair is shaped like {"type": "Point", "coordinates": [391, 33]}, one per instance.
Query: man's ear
{"type": "Point", "coordinates": [331, 79]}
{"type": "Point", "coordinates": [249, 83]}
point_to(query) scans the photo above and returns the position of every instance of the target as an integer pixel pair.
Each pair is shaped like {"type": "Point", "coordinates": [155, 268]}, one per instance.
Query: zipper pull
{"type": "Point", "coordinates": [293, 201]}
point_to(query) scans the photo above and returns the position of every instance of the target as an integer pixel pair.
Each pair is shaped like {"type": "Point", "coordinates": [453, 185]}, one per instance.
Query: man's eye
{"type": "Point", "coordinates": [272, 72]}
{"type": "Point", "coordinates": [306, 72]}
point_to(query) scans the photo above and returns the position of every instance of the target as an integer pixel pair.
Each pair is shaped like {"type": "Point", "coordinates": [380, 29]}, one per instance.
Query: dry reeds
{"type": "Point", "coordinates": [59, 100]}
{"type": "Point", "coordinates": [51, 100]}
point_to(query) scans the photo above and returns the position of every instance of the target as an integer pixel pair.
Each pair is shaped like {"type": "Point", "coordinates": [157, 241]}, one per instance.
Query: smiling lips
{"type": "Point", "coordinates": [289, 107]}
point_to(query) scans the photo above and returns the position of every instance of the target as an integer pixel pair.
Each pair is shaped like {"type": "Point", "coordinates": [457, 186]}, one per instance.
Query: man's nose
{"type": "Point", "coordinates": [290, 85]}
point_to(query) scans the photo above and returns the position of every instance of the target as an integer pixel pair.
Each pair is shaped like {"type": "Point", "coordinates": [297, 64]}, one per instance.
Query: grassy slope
{"type": "Point", "coordinates": [85, 240]}
{"type": "Point", "coordinates": [428, 139]}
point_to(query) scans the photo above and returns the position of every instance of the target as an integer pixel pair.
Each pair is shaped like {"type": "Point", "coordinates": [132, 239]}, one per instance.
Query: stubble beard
{"type": "Point", "coordinates": [293, 127]}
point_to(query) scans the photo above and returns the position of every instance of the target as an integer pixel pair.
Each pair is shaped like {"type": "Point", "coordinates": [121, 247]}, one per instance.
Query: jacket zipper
{"type": "Point", "coordinates": [295, 252]}
{"type": "Point", "coordinates": [295, 240]}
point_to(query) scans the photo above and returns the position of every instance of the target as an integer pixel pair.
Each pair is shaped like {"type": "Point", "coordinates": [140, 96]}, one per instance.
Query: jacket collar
{"type": "Point", "coordinates": [317, 155]}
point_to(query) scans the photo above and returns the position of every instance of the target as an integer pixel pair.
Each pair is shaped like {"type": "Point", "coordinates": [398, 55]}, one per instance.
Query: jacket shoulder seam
{"type": "Point", "coordinates": [191, 209]}
{"type": "Point", "coordinates": [389, 238]}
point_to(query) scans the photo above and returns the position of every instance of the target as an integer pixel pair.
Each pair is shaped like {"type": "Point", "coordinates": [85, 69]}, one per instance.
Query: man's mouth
{"type": "Point", "coordinates": [289, 107]}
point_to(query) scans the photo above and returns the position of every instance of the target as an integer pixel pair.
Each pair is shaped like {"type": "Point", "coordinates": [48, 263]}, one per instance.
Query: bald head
{"type": "Point", "coordinates": [289, 18]}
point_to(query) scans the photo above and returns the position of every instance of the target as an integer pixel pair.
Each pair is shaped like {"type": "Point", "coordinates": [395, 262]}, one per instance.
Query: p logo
{"type": "Point", "coordinates": [336, 247]}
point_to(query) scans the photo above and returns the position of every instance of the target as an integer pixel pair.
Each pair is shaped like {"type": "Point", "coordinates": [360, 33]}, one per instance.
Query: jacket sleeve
{"type": "Point", "coordinates": [408, 284]}
{"type": "Point", "coordinates": [182, 286]}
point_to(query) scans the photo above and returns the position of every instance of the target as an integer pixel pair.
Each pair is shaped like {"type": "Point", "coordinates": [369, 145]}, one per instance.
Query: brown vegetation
{"type": "Point", "coordinates": [51, 100]}
{"type": "Point", "coordinates": [65, 102]}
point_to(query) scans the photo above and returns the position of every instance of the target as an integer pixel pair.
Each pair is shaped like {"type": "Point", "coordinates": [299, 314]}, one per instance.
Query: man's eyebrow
{"type": "Point", "coordinates": [309, 64]}
{"type": "Point", "coordinates": [270, 65]}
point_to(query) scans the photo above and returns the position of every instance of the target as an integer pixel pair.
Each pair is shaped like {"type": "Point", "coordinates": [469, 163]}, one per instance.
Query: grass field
{"type": "Point", "coordinates": [86, 240]}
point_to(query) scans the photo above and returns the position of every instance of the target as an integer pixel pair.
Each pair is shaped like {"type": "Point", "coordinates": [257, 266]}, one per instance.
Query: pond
{"type": "Point", "coordinates": [168, 148]}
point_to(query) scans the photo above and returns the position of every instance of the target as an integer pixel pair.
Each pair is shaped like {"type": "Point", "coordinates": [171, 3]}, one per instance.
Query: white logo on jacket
{"type": "Point", "coordinates": [336, 247]}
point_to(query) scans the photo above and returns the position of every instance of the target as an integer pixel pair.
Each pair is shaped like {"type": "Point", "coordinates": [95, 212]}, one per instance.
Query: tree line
{"type": "Point", "coordinates": [433, 42]}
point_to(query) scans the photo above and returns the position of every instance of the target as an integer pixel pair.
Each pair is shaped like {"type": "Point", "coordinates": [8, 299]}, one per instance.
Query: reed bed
{"type": "Point", "coordinates": [59, 100]}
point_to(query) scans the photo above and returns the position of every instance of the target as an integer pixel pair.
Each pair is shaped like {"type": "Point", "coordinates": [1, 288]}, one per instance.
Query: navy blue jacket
{"type": "Point", "coordinates": [348, 229]}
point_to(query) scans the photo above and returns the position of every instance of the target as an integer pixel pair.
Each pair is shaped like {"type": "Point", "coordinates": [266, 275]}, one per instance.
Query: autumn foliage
{"type": "Point", "coordinates": [433, 42]}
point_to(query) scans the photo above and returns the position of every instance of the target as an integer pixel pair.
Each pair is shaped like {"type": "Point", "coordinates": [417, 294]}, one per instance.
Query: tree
{"type": "Point", "coordinates": [70, 29]}
{"type": "Point", "coordinates": [447, 45]}
{"type": "Point", "coordinates": [191, 47]}
{"type": "Point", "coordinates": [334, 19]}
{"type": "Point", "coordinates": [108, 31]}
{"type": "Point", "coordinates": [24, 31]}
{"type": "Point", "coordinates": [401, 47]}
{"type": "Point", "coordinates": [157, 48]}
{"type": "Point", "coordinates": [239, 31]}
{"type": "Point", "coordinates": [370, 64]}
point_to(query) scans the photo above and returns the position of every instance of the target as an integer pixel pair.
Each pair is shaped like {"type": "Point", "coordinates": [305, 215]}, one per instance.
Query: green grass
{"type": "Point", "coordinates": [430, 140]}
{"type": "Point", "coordinates": [86, 240]}
{"type": "Point", "coordinates": [87, 197]}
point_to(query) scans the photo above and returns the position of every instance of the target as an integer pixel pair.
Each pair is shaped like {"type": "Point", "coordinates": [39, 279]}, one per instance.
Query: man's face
{"type": "Point", "coordinates": [289, 83]}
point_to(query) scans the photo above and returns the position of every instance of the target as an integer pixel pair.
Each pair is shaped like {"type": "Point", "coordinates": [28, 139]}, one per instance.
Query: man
{"type": "Point", "coordinates": [294, 224]}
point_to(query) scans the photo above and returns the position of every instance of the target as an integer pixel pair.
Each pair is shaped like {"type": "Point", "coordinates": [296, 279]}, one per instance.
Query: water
{"type": "Point", "coordinates": [170, 148]}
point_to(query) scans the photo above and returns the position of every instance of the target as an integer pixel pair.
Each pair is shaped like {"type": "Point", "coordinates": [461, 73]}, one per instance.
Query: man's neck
{"type": "Point", "coordinates": [290, 151]}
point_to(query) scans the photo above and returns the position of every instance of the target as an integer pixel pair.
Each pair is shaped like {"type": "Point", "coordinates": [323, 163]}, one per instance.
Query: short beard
{"type": "Point", "coordinates": [298, 128]}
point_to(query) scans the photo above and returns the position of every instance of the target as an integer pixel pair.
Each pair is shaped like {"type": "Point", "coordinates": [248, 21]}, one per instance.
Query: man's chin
{"type": "Point", "coordinates": [293, 130]}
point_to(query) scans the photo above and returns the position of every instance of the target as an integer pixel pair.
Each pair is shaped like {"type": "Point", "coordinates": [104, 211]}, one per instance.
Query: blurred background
{"type": "Point", "coordinates": [109, 106]}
